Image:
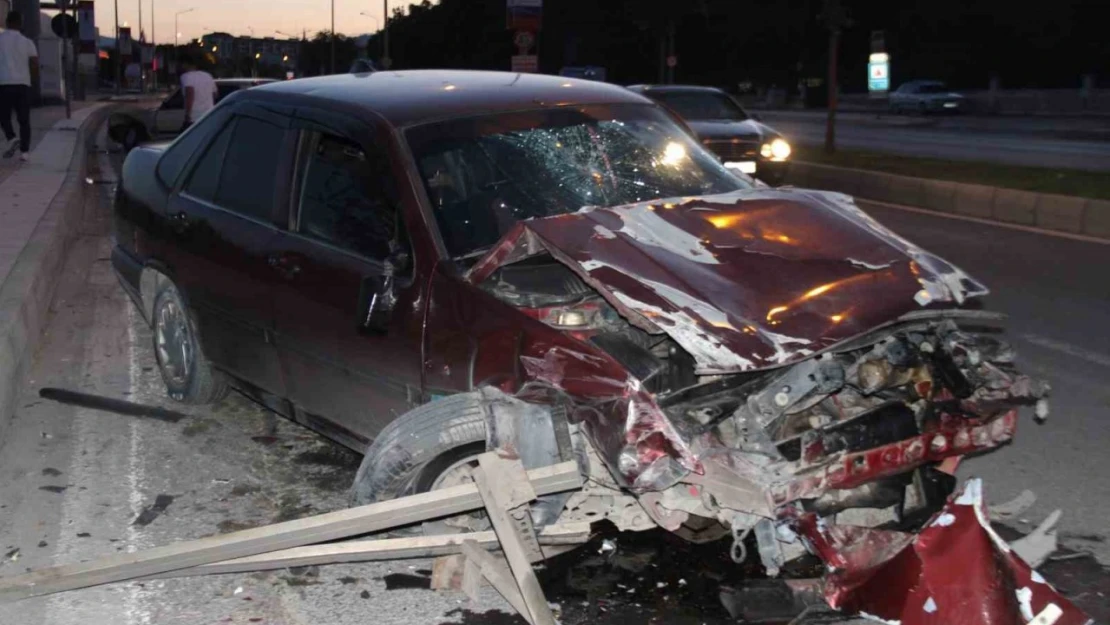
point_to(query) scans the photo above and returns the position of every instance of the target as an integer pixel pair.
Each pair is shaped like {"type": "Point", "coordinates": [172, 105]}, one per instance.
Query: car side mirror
{"type": "Point", "coordinates": [378, 294]}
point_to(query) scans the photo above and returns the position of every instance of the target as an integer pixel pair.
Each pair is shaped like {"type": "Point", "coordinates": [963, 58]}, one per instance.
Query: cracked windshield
{"type": "Point", "coordinates": [482, 178]}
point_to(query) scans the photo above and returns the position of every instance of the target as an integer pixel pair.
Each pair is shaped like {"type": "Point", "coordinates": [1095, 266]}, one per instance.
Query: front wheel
{"type": "Point", "coordinates": [432, 446]}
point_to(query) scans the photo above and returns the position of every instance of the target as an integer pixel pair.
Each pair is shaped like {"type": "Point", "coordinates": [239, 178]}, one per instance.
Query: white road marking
{"type": "Point", "coordinates": [988, 222]}
{"type": "Point", "coordinates": [137, 613]}
{"type": "Point", "coordinates": [1069, 349]}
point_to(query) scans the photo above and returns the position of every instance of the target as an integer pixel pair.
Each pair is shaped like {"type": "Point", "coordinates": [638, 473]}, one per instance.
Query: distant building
{"type": "Point", "coordinates": [270, 51]}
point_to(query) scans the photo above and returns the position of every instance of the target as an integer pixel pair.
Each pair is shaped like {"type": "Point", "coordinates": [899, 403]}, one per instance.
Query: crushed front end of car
{"type": "Point", "coordinates": [767, 362]}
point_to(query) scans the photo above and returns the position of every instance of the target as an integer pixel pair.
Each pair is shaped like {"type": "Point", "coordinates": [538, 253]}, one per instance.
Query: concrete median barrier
{"type": "Point", "coordinates": [1063, 213]}
{"type": "Point", "coordinates": [28, 287]}
{"type": "Point", "coordinates": [1096, 219]}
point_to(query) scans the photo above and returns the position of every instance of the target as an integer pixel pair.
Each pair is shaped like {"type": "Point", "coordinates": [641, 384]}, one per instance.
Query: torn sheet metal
{"type": "Point", "coordinates": [956, 571]}
{"type": "Point", "coordinates": [743, 281]}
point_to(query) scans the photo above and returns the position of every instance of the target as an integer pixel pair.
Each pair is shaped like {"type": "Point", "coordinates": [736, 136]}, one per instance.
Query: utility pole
{"type": "Point", "coordinates": [119, 53]}
{"type": "Point", "coordinates": [835, 20]}
{"type": "Point", "coordinates": [154, 48]}
{"type": "Point", "coordinates": [386, 59]}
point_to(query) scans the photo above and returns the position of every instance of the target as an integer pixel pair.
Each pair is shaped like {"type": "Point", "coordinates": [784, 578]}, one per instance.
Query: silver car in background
{"type": "Point", "coordinates": [926, 96]}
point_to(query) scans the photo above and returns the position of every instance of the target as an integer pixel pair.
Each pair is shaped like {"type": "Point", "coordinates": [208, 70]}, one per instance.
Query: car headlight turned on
{"type": "Point", "coordinates": [777, 150]}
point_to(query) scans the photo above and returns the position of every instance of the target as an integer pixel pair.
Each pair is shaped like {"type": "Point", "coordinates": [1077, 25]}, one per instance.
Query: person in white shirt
{"type": "Point", "coordinates": [19, 62]}
{"type": "Point", "coordinates": [200, 91]}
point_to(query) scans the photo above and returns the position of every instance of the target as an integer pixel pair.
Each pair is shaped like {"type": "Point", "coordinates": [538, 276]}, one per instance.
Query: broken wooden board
{"type": "Point", "coordinates": [552, 539]}
{"type": "Point", "coordinates": [499, 576]}
{"type": "Point", "coordinates": [307, 531]}
{"type": "Point", "coordinates": [505, 489]}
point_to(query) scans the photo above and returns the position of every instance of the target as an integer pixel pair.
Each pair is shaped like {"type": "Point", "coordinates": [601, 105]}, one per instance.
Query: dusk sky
{"type": "Point", "coordinates": [235, 16]}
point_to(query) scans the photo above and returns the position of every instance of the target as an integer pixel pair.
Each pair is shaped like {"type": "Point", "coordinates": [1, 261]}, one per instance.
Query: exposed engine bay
{"type": "Point", "coordinates": [731, 377]}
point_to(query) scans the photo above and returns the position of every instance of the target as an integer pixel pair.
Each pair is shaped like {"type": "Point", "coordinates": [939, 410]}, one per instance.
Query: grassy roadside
{"type": "Point", "coordinates": [1040, 179]}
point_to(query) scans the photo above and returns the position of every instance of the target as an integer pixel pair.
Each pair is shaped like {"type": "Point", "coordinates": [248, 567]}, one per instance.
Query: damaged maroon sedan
{"type": "Point", "coordinates": [422, 265]}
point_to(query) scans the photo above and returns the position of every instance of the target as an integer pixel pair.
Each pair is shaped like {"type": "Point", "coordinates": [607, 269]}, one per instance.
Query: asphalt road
{"type": "Point", "coordinates": [77, 483]}
{"type": "Point", "coordinates": [1015, 142]}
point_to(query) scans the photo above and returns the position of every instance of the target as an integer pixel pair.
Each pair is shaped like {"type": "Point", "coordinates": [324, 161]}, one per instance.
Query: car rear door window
{"type": "Point", "coordinates": [205, 179]}
{"type": "Point", "coordinates": [344, 198]}
{"type": "Point", "coordinates": [177, 156]}
{"type": "Point", "coordinates": [246, 171]}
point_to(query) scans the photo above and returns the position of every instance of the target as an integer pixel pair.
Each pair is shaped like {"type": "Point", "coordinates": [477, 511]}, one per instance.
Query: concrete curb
{"type": "Point", "coordinates": [28, 289]}
{"type": "Point", "coordinates": [1064, 213]}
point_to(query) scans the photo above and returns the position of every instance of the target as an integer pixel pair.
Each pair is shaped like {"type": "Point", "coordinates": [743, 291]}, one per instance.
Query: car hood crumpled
{"type": "Point", "coordinates": [743, 281]}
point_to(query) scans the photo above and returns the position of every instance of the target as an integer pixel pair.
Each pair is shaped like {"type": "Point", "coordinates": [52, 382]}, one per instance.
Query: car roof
{"type": "Point", "coordinates": [244, 81]}
{"type": "Point", "coordinates": [674, 89]}
{"type": "Point", "coordinates": [411, 97]}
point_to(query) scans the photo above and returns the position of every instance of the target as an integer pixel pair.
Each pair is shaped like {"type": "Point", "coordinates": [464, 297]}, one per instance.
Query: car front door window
{"type": "Point", "coordinates": [238, 171]}
{"type": "Point", "coordinates": [342, 200]}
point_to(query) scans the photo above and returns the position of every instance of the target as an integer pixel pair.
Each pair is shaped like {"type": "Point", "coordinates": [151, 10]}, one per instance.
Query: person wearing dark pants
{"type": "Point", "coordinates": [18, 65]}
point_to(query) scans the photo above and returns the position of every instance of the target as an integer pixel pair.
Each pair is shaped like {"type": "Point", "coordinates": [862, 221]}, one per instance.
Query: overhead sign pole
{"type": "Point", "coordinates": [878, 67]}
{"type": "Point", "coordinates": [525, 17]}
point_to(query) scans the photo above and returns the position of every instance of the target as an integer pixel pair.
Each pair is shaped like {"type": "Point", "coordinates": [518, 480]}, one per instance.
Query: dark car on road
{"type": "Point", "coordinates": [423, 264]}
{"type": "Point", "coordinates": [740, 139]}
{"type": "Point", "coordinates": [133, 125]}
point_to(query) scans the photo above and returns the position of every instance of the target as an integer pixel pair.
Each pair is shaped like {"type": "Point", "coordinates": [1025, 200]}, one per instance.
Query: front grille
{"type": "Point", "coordinates": [734, 149]}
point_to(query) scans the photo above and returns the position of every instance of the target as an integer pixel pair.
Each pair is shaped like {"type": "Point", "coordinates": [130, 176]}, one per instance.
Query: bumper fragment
{"type": "Point", "coordinates": [955, 571]}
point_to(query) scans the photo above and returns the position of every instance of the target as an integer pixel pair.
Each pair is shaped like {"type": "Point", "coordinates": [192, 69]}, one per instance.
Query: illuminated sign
{"type": "Point", "coordinates": [878, 73]}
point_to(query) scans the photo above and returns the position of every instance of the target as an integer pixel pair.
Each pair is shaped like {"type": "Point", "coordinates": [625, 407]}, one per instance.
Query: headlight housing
{"type": "Point", "coordinates": [777, 150]}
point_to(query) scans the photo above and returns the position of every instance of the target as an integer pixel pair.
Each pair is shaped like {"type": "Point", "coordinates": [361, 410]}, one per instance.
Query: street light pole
{"type": "Point", "coordinates": [333, 36]}
{"type": "Point", "coordinates": [177, 35]}
{"type": "Point", "coordinates": [119, 53]}
{"type": "Point", "coordinates": [142, 83]}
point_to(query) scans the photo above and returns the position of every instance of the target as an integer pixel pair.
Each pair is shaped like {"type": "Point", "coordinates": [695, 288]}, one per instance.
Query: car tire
{"type": "Point", "coordinates": [413, 452]}
{"type": "Point", "coordinates": [188, 376]}
{"type": "Point", "coordinates": [132, 137]}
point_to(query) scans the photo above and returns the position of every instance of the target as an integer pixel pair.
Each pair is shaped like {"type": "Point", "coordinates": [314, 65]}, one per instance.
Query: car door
{"type": "Point", "coordinates": [348, 313]}
{"type": "Point", "coordinates": [220, 229]}
{"type": "Point", "coordinates": [170, 116]}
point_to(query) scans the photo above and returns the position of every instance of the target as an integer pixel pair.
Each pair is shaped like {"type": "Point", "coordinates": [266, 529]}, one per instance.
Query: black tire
{"type": "Point", "coordinates": [191, 380]}
{"type": "Point", "coordinates": [412, 451]}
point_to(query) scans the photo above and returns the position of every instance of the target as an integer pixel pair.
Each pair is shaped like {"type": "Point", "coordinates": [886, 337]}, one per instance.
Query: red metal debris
{"type": "Point", "coordinates": [956, 571]}
{"type": "Point", "coordinates": [951, 438]}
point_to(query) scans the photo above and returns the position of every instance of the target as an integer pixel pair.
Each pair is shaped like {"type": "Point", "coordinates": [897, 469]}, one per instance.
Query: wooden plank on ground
{"type": "Point", "coordinates": [499, 576]}
{"type": "Point", "coordinates": [498, 482]}
{"type": "Point", "coordinates": [307, 531]}
{"type": "Point", "coordinates": [554, 539]}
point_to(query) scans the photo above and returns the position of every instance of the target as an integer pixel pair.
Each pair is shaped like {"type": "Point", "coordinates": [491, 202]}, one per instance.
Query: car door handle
{"type": "Point", "coordinates": [287, 265]}
{"type": "Point", "coordinates": [181, 222]}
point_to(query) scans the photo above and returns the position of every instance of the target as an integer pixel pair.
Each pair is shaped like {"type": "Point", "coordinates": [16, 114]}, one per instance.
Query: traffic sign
{"type": "Point", "coordinates": [878, 73]}
{"type": "Point", "coordinates": [526, 63]}
{"type": "Point", "coordinates": [64, 26]}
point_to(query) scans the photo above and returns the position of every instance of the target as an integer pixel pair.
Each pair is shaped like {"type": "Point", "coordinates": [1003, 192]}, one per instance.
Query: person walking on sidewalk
{"type": "Point", "coordinates": [200, 91]}
{"type": "Point", "coordinates": [19, 62]}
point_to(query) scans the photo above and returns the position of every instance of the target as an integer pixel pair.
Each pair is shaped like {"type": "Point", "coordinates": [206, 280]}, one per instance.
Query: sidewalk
{"type": "Point", "coordinates": [26, 189]}
{"type": "Point", "coordinates": [40, 207]}
{"type": "Point", "coordinates": [42, 121]}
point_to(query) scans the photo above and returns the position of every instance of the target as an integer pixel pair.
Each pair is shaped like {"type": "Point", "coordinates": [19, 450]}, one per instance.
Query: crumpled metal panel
{"type": "Point", "coordinates": [743, 281]}
{"type": "Point", "coordinates": [956, 571]}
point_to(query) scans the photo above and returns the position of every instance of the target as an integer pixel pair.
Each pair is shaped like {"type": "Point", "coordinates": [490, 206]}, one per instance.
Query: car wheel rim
{"type": "Point", "coordinates": [457, 474]}
{"type": "Point", "coordinates": [174, 345]}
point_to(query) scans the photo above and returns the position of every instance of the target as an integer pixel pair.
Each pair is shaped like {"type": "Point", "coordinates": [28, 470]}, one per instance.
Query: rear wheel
{"type": "Point", "coordinates": [188, 376]}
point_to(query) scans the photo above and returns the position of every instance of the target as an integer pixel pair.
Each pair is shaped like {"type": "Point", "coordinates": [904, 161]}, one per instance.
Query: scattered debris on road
{"type": "Point", "coordinates": [109, 404]}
